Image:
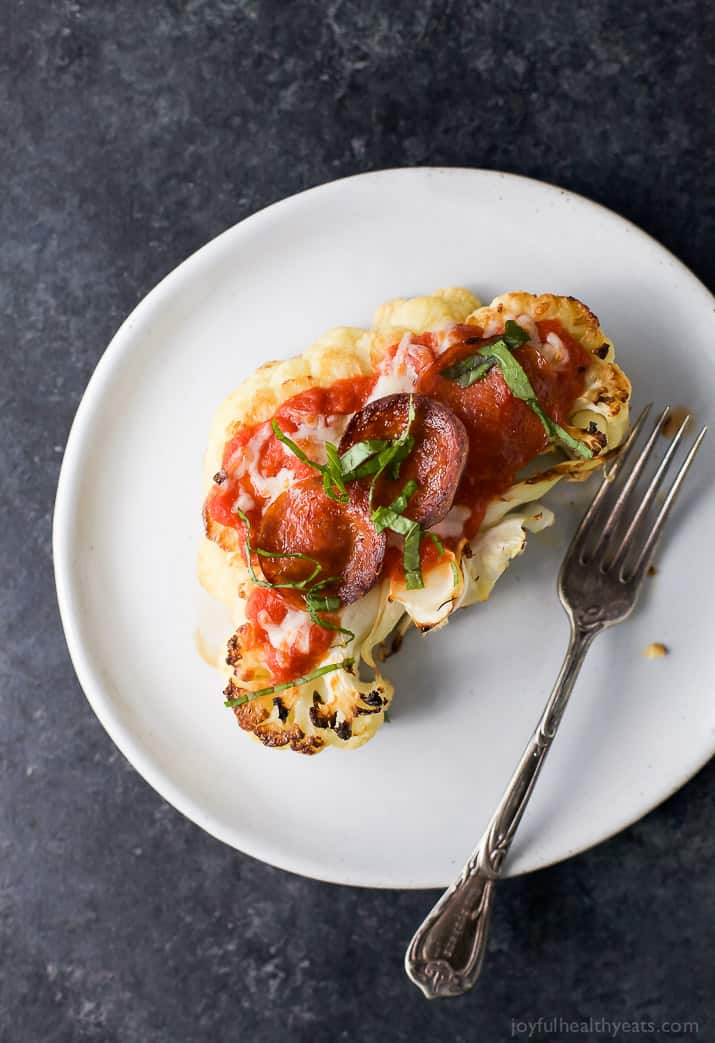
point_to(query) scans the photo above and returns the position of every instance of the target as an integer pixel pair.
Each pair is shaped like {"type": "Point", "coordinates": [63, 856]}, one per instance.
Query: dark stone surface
{"type": "Point", "coordinates": [131, 134]}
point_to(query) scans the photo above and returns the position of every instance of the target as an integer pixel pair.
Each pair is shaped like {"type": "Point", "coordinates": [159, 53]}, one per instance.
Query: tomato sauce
{"type": "Point", "coordinates": [504, 433]}
{"type": "Point", "coordinates": [344, 396]}
{"type": "Point", "coordinates": [268, 606]}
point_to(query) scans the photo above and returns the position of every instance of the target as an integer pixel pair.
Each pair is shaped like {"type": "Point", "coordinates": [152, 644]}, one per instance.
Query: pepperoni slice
{"type": "Point", "coordinates": [341, 537]}
{"type": "Point", "coordinates": [435, 463]}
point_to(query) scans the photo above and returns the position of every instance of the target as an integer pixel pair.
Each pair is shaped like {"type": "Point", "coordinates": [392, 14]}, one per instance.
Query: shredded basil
{"type": "Point", "coordinates": [316, 602]}
{"type": "Point", "coordinates": [357, 454]}
{"type": "Point", "coordinates": [331, 472]}
{"type": "Point", "coordinates": [385, 517]}
{"type": "Point", "coordinates": [326, 624]}
{"type": "Point", "coordinates": [400, 524]}
{"type": "Point", "coordinates": [322, 603]}
{"type": "Point", "coordinates": [436, 540]}
{"type": "Point", "coordinates": [392, 517]}
{"type": "Point", "coordinates": [371, 457]}
{"type": "Point", "coordinates": [557, 434]}
{"type": "Point", "coordinates": [475, 367]}
{"type": "Point", "coordinates": [400, 448]}
{"type": "Point", "coordinates": [468, 371]}
{"type": "Point", "coordinates": [320, 672]}
{"type": "Point", "coordinates": [333, 475]}
{"type": "Point", "coordinates": [411, 558]}
{"type": "Point", "coordinates": [294, 447]}
{"type": "Point", "coordinates": [392, 455]}
{"type": "Point", "coordinates": [514, 334]}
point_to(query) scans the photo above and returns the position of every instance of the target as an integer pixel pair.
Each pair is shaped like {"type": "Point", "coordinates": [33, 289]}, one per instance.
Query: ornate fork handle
{"type": "Point", "coordinates": [445, 956]}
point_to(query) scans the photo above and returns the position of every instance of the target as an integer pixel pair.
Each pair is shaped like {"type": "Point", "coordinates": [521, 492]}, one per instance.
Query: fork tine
{"type": "Point", "coordinates": [617, 509]}
{"type": "Point", "coordinates": [624, 452]}
{"type": "Point", "coordinates": [610, 473]}
{"type": "Point", "coordinates": [649, 546]}
{"type": "Point", "coordinates": [649, 496]}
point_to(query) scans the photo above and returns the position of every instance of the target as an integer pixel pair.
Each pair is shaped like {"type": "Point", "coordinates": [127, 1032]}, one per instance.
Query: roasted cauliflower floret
{"type": "Point", "coordinates": [342, 701]}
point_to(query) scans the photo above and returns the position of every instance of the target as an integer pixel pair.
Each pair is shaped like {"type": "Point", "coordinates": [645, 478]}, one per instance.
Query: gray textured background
{"type": "Point", "coordinates": [131, 133]}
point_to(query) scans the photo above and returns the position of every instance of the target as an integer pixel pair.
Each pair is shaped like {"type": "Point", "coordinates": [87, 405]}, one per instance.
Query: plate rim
{"type": "Point", "coordinates": [66, 582]}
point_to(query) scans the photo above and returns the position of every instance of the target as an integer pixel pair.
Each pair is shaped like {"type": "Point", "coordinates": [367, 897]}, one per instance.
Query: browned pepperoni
{"type": "Point", "coordinates": [435, 463]}
{"type": "Point", "coordinates": [303, 520]}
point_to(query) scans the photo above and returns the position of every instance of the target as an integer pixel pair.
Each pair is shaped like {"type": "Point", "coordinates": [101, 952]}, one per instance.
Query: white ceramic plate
{"type": "Point", "coordinates": [405, 810]}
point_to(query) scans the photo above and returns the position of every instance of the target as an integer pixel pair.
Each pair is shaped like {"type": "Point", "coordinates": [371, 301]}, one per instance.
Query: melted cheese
{"type": "Point", "coordinates": [554, 351]}
{"type": "Point", "coordinates": [292, 632]}
{"type": "Point", "coordinates": [245, 461]}
{"type": "Point", "coordinates": [316, 430]}
{"type": "Point", "coordinates": [392, 384]}
{"type": "Point", "coordinates": [270, 488]}
{"type": "Point", "coordinates": [244, 502]}
{"type": "Point", "coordinates": [245, 458]}
{"type": "Point", "coordinates": [497, 323]}
{"type": "Point", "coordinates": [397, 376]}
{"type": "Point", "coordinates": [527, 323]}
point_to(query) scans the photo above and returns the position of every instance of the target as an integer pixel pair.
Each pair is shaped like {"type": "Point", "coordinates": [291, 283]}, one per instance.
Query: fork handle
{"type": "Point", "coordinates": [445, 956]}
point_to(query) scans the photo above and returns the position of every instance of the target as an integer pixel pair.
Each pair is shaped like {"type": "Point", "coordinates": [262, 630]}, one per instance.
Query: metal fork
{"type": "Point", "coordinates": [599, 583]}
